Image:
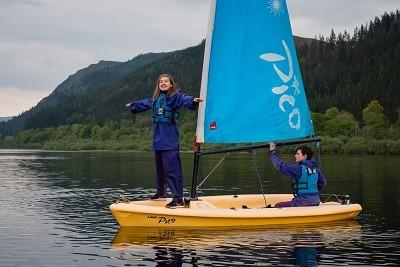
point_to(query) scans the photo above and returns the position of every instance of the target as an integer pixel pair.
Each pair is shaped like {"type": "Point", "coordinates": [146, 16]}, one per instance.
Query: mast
{"type": "Point", "coordinates": [204, 75]}
{"type": "Point", "coordinates": [199, 139]}
{"type": "Point", "coordinates": [196, 161]}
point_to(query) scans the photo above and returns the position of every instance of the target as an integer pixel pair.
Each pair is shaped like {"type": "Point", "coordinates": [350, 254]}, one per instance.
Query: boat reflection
{"type": "Point", "coordinates": [300, 245]}
{"type": "Point", "coordinates": [307, 248]}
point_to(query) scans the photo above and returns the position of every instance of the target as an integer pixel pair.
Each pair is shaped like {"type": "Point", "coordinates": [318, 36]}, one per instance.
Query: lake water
{"type": "Point", "coordinates": [54, 212]}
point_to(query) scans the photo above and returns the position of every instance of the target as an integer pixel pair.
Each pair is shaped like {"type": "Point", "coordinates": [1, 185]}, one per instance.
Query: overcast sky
{"type": "Point", "coordinates": [42, 42]}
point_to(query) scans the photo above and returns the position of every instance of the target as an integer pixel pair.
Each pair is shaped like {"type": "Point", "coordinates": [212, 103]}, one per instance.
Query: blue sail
{"type": "Point", "coordinates": [251, 80]}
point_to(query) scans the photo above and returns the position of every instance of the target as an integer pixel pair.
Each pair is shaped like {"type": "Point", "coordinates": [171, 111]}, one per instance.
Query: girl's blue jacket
{"type": "Point", "coordinates": [165, 136]}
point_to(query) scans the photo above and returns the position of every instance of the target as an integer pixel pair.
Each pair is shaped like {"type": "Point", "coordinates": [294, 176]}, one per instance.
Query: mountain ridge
{"type": "Point", "coordinates": [333, 71]}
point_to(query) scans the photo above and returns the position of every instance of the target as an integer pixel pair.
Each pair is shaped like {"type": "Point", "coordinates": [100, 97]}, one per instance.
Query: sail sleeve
{"type": "Point", "coordinates": [251, 80]}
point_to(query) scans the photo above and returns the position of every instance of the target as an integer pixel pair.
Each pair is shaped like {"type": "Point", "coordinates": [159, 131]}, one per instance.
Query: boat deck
{"type": "Point", "coordinates": [228, 210]}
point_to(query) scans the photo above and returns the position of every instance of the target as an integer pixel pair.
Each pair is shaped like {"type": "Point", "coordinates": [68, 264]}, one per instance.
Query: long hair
{"type": "Point", "coordinates": [172, 91]}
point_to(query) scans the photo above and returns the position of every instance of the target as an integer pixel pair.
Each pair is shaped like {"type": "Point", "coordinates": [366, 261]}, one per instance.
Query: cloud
{"type": "Point", "coordinates": [32, 3]}
{"type": "Point", "coordinates": [118, 30]}
{"type": "Point", "coordinates": [14, 99]}
{"type": "Point", "coordinates": [311, 18]}
{"type": "Point", "coordinates": [39, 65]}
{"type": "Point", "coordinates": [42, 42]}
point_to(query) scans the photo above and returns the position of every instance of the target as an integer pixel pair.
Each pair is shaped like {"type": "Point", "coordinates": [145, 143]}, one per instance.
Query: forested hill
{"type": "Point", "coordinates": [344, 71]}
{"type": "Point", "coordinates": [348, 71]}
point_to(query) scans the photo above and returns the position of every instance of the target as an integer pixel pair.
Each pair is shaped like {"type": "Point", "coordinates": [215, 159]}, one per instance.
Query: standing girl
{"type": "Point", "coordinates": [165, 105]}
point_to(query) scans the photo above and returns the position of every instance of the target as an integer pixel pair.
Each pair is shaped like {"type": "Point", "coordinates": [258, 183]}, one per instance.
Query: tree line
{"type": "Point", "coordinates": [340, 132]}
{"type": "Point", "coordinates": [348, 72]}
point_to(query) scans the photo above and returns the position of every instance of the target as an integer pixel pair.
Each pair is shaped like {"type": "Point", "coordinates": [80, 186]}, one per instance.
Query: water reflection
{"type": "Point", "coordinates": [54, 211]}
{"type": "Point", "coordinates": [307, 248]}
{"type": "Point", "coordinates": [302, 245]}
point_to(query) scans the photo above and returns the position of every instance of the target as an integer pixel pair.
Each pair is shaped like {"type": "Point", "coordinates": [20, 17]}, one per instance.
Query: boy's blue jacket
{"type": "Point", "coordinates": [165, 136]}
{"type": "Point", "coordinates": [294, 172]}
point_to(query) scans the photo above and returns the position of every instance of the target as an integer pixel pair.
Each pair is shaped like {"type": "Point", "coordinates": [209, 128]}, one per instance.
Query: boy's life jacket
{"type": "Point", "coordinates": [307, 183]}
{"type": "Point", "coordinates": [162, 113]}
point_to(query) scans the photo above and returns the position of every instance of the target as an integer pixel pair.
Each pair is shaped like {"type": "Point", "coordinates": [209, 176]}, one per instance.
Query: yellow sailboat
{"type": "Point", "coordinates": [228, 210]}
{"type": "Point", "coordinates": [253, 92]}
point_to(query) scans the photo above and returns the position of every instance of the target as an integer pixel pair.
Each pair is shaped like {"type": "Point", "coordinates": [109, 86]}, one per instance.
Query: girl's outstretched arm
{"type": "Point", "coordinates": [187, 101]}
{"type": "Point", "coordinates": [140, 105]}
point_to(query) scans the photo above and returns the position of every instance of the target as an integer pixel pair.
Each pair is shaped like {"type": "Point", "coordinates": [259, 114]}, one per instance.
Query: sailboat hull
{"type": "Point", "coordinates": [228, 211]}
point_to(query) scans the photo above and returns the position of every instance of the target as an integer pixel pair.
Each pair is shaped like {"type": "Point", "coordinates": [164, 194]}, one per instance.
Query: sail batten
{"type": "Point", "coordinates": [251, 81]}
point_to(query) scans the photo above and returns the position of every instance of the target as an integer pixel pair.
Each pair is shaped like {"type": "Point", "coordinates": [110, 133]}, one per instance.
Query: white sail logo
{"type": "Point", "coordinates": [294, 115]}
{"type": "Point", "coordinates": [275, 7]}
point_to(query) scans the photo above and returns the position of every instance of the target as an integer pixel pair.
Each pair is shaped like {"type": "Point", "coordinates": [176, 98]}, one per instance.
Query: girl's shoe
{"type": "Point", "coordinates": [175, 204]}
{"type": "Point", "coordinates": [157, 196]}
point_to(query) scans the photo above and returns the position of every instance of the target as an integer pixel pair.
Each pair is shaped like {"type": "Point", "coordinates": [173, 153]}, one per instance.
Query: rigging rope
{"type": "Point", "coordinates": [215, 167]}
{"type": "Point", "coordinates": [319, 155]}
{"type": "Point", "coordinates": [253, 153]}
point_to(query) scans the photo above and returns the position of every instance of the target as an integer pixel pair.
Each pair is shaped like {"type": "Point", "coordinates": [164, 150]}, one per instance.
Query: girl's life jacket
{"type": "Point", "coordinates": [307, 183]}
{"type": "Point", "coordinates": [162, 113]}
